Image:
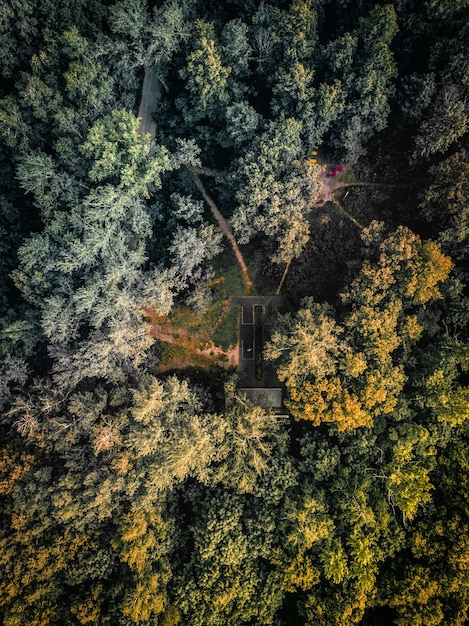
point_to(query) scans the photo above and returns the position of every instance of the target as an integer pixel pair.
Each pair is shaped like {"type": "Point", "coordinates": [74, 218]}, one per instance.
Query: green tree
{"type": "Point", "coordinates": [250, 435]}
{"type": "Point", "coordinates": [444, 204]}
{"type": "Point", "coordinates": [205, 76]}
{"type": "Point", "coordinates": [274, 189]}
{"type": "Point", "coordinates": [84, 265]}
{"type": "Point", "coordinates": [363, 63]}
{"type": "Point", "coordinates": [445, 122]}
{"type": "Point", "coordinates": [124, 156]}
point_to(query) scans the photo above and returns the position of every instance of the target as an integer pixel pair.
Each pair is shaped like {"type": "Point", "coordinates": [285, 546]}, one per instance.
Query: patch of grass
{"type": "Point", "coordinates": [193, 331]}
{"type": "Point", "coordinates": [184, 317]}
{"type": "Point", "coordinates": [226, 333]}
{"type": "Point", "coordinates": [171, 353]}
{"type": "Point", "coordinates": [227, 269]}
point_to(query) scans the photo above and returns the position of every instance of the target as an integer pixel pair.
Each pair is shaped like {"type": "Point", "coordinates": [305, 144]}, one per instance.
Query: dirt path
{"type": "Point", "coordinates": [224, 227]}
{"type": "Point", "coordinates": [207, 171]}
{"type": "Point", "coordinates": [282, 280]}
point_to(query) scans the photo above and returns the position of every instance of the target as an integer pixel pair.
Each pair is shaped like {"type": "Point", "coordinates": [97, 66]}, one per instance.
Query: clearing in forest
{"type": "Point", "coordinates": [203, 339]}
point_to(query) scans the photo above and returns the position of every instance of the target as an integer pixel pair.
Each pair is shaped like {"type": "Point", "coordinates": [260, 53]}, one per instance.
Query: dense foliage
{"type": "Point", "coordinates": [131, 496]}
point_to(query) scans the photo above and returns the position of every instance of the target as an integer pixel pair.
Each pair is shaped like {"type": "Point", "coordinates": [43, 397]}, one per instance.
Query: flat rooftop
{"type": "Point", "coordinates": [264, 396]}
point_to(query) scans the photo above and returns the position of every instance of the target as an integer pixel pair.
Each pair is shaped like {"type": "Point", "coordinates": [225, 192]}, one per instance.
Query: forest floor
{"type": "Point", "coordinates": [346, 179]}
{"type": "Point", "coordinates": [189, 338]}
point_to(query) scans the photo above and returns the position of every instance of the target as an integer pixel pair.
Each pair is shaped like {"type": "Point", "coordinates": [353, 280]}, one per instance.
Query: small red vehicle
{"type": "Point", "coordinates": [336, 169]}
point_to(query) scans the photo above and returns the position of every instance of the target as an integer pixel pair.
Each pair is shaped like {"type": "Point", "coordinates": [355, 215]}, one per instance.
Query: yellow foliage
{"type": "Point", "coordinates": [223, 599]}
{"type": "Point", "coordinates": [301, 574]}
{"type": "Point", "coordinates": [12, 467]}
{"type": "Point", "coordinates": [354, 364]}
{"type": "Point", "coordinates": [411, 327]}
{"type": "Point", "coordinates": [171, 617]}
{"type": "Point", "coordinates": [432, 269]}
{"type": "Point", "coordinates": [88, 610]}
{"type": "Point", "coordinates": [134, 526]}
{"type": "Point", "coordinates": [121, 464]}
{"type": "Point", "coordinates": [105, 437]}
{"type": "Point", "coordinates": [349, 413]}
{"type": "Point", "coordinates": [145, 600]}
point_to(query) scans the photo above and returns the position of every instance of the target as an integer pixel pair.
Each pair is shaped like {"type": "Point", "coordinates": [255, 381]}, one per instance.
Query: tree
{"type": "Point", "coordinates": [144, 544]}
{"type": "Point", "coordinates": [250, 434]}
{"type": "Point", "coordinates": [205, 76]}
{"type": "Point", "coordinates": [191, 248]}
{"type": "Point", "coordinates": [296, 30]}
{"type": "Point", "coordinates": [84, 265]}
{"type": "Point", "coordinates": [147, 39]}
{"type": "Point", "coordinates": [226, 579]}
{"type": "Point", "coordinates": [124, 156]}
{"type": "Point", "coordinates": [274, 189]}
{"type": "Point", "coordinates": [444, 204]}
{"type": "Point", "coordinates": [102, 514]}
{"type": "Point", "coordinates": [431, 585]}
{"type": "Point", "coordinates": [236, 48]}
{"type": "Point", "coordinates": [242, 121]}
{"type": "Point", "coordinates": [348, 374]}
{"type": "Point", "coordinates": [363, 63]}
{"type": "Point", "coordinates": [446, 122]}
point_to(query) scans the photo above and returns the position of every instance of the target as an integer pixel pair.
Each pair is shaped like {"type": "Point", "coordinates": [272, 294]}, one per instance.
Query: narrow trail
{"type": "Point", "coordinates": [282, 280]}
{"type": "Point", "coordinates": [343, 210]}
{"type": "Point", "coordinates": [225, 228]}
{"type": "Point", "coordinates": [208, 171]}
{"type": "Point", "coordinates": [151, 93]}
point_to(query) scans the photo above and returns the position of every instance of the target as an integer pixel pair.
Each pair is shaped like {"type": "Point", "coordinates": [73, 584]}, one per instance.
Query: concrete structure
{"type": "Point", "coordinates": [258, 378]}
{"type": "Point", "coordinates": [267, 398]}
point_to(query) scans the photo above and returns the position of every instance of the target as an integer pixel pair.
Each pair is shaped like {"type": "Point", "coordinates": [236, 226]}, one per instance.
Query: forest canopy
{"type": "Point", "coordinates": [313, 151]}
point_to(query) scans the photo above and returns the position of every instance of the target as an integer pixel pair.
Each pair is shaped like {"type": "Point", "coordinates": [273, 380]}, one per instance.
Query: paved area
{"type": "Point", "coordinates": [151, 92]}
{"type": "Point", "coordinates": [267, 398]}
{"type": "Point", "coordinates": [254, 332]}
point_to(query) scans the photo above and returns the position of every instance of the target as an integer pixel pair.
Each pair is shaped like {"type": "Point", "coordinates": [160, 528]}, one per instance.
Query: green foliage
{"type": "Point", "coordinates": [445, 201]}
{"type": "Point", "coordinates": [205, 75]}
{"type": "Point", "coordinates": [249, 438]}
{"type": "Point", "coordinates": [447, 121]}
{"type": "Point", "coordinates": [83, 273]}
{"type": "Point", "coordinates": [276, 188]}
{"type": "Point", "coordinates": [124, 156]}
{"type": "Point", "coordinates": [127, 498]}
